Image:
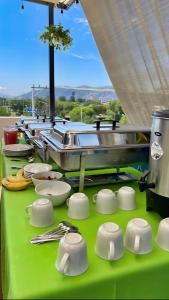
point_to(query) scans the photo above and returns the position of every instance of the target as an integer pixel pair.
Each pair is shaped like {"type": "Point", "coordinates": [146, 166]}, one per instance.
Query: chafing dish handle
{"type": "Point", "coordinates": [44, 118]}
{"type": "Point", "coordinates": [21, 129]}
{"type": "Point", "coordinates": [47, 142]}
{"type": "Point", "coordinates": [28, 134]}
{"type": "Point", "coordinates": [37, 143]}
{"type": "Point", "coordinates": [67, 117]}
{"type": "Point", "coordinates": [99, 121]}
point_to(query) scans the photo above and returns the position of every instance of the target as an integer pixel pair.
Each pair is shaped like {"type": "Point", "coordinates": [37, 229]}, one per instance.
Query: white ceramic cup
{"type": "Point", "coordinates": [106, 202]}
{"type": "Point", "coordinates": [126, 197]}
{"type": "Point", "coordinates": [40, 213]}
{"type": "Point", "coordinates": [138, 237]}
{"type": "Point", "coordinates": [109, 242]}
{"type": "Point", "coordinates": [72, 255]}
{"type": "Point", "coordinates": [78, 206]}
{"type": "Point", "coordinates": [162, 238]}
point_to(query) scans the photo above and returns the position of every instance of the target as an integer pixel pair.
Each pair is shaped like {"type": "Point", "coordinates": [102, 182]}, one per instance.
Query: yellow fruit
{"type": "Point", "coordinates": [20, 173]}
{"type": "Point", "coordinates": [14, 186]}
{"type": "Point", "coordinates": [17, 179]}
{"type": "Point", "coordinates": [5, 182]}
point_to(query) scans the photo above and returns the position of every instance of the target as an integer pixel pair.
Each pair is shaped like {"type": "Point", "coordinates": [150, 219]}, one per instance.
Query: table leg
{"type": "Point", "coordinates": [82, 171]}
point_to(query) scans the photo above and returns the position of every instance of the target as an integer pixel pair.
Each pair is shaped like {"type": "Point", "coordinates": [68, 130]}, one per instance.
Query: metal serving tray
{"type": "Point", "coordinates": [71, 143]}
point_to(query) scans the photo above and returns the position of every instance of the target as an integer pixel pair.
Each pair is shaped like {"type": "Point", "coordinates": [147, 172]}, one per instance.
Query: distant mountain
{"type": "Point", "coordinates": [105, 93]}
{"type": "Point", "coordinates": [2, 96]}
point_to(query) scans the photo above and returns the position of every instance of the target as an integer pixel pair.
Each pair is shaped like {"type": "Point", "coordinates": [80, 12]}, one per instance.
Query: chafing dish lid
{"type": "Point", "coordinates": [78, 127]}
{"type": "Point", "coordinates": [29, 120]}
{"type": "Point", "coordinates": [46, 125]}
{"type": "Point", "coordinates": [80, 135]}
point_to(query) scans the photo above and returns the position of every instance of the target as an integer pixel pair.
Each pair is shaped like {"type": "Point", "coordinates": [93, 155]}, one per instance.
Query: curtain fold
{"type": "Point", "coordinates": [133, 39]}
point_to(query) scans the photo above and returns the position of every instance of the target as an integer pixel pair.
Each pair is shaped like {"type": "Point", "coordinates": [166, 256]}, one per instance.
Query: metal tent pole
{"type": "Point", "coordinates": [33, 101]}
{"type": "Point", "coordinates": [51, 67]}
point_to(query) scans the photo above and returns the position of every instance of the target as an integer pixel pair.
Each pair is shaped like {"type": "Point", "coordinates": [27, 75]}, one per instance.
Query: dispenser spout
{"type": "Point", "coordinates": [143, 184]}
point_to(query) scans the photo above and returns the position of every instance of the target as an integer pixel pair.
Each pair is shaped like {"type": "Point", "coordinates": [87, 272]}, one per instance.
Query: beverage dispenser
{"type": "Point", "coordinates": [156, 180]}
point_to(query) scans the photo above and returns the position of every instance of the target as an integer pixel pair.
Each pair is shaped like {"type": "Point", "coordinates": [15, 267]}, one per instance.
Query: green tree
{"type": "Point", "coordinates": [98, 108]}
{"type": "Point", "coordinates": [72, 98]}
{"type": "Point", "coordinates": [62, 98]}
{"type": "Point", "coordinates": [123, 119]}
{"type": "Point", "coordinates": [40, 105]}
{"type": "Point", "coordinates": [64, 107]}
{"type": "Point", "coordinates": [86, 111]}
{"type": "Point", "coordinates": [80, 100]}
{"type": "Point", "coordinates": [4, 112]}
{"type": "Point", "coordinates": [75, 114]}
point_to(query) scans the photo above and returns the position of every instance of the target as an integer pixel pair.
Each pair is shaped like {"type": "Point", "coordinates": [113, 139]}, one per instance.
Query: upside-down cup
{"type": "Point", "coordinates": [72, 255]}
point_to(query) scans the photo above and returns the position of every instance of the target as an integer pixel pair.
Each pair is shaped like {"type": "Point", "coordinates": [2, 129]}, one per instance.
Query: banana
{"type": "Point", "coordinates": [20, 173]}
{"type": "Point", "coordinates": [4, 182]}
{"type": "Point", "coordinates": [15, 186]}
{"type": "Point", "coordinates": [16, 183]}
{"type": "Point", "coordinates": [18, 179]}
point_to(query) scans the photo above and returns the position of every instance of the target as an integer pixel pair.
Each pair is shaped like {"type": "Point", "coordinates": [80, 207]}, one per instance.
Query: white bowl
{"type": "Point", "coordinates": [41, 177]}
{"type": "Point", "coordinates": [56, 191]}
{"type": "Point", "coordinates": [36, 168]}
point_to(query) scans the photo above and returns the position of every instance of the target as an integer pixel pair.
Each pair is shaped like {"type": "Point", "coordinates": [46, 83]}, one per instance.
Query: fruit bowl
{"type": "Point", "coordinates": [33, 168]}
{"type": "Point", "coordinates": [46, 177]}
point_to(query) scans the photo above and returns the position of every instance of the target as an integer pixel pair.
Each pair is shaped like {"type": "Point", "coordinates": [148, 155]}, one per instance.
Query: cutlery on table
{"type": "Point", "coordinates": [55, 234]}
{"type": "Point", "coordinates": [29, 159]}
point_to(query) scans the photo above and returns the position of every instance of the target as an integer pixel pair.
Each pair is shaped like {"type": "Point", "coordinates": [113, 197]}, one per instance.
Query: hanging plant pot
{"type": "Point", "coordinates": [57, 37]}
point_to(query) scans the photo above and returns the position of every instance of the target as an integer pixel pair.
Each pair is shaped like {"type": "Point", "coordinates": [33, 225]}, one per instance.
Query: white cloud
{"type": "Point", "coordinates": [2, 88]}
{"type": "Point", "coordinates": [87, 32]}
{"type": "Point", "coordinates": [78, 56]}
{"type": "Point", "coordinates": [81, 21]}
{"type": "Point", "coordinates": [84, 56]}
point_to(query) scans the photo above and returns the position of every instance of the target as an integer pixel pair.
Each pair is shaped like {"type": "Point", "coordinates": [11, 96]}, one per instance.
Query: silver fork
{"type": "Point", "coordinates": [55, 234]}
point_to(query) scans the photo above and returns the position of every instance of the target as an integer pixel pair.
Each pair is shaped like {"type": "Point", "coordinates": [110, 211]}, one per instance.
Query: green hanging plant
{"type": "Point", "coordinates": [57, 37]}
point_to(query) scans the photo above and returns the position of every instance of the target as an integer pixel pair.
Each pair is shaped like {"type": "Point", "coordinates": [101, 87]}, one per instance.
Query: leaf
{"type": "Point", "coordinates": [57, 36]}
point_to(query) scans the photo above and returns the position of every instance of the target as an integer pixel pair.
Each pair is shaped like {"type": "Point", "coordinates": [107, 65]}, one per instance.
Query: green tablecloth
{"type": "Point", "coordinates": [29, 271]}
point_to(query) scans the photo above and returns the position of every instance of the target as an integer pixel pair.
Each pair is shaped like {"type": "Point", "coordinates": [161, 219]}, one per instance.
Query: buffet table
{"type": "Point", "coordinates": [28, 271]}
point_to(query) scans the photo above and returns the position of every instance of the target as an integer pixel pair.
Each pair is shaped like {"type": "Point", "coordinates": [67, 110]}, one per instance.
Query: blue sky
{"type": "Point", "coordinates": [24, 59]}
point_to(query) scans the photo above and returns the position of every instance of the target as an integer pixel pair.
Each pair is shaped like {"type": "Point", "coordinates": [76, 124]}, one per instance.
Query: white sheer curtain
{"type": "Point", "coordinates": [133, 39]}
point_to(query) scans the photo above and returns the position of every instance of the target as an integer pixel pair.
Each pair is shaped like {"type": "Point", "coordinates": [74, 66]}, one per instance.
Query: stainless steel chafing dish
{"type": "Point", "coordinates": [103, 146]}
{"type": "Point", "coordinates": [35, 128]}
{"type": "Point", "coordinates": [28, 119]}
{"type": "Point", "coordinates": [32, 126]}
{"type": "Point", "coordinates": [33, 131]}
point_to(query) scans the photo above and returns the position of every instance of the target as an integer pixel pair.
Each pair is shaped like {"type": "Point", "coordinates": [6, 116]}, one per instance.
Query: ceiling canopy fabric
{"type": "Point", "coordinates": [133, 39]}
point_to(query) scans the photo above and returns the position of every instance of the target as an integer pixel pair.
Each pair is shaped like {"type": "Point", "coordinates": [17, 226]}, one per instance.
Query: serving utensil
{"type": "Point", "coordinates": [55, 234]}
{"type": "Point", "coordinates": [17, 167]}
{"type": "Point", "coordinates": [29, 159]}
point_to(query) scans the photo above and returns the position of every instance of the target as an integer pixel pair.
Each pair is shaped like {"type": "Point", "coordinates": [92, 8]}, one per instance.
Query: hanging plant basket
{"type": "Point", "coordinates": [57, 37]}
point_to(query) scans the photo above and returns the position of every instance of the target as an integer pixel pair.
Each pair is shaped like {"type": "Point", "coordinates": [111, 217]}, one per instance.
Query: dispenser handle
{"type": "Point", "coordinates": [143, 184]}
{"type": "Point", "coordinates": [144, 176]}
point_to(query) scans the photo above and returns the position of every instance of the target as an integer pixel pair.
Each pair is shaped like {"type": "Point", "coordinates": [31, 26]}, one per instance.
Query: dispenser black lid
{"type": "Point", "coordinates": [161, 114]}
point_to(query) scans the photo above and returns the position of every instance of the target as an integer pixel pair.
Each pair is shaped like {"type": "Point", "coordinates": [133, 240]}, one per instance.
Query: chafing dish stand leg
{"type": "Point", "coordinates": [82, 171]}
